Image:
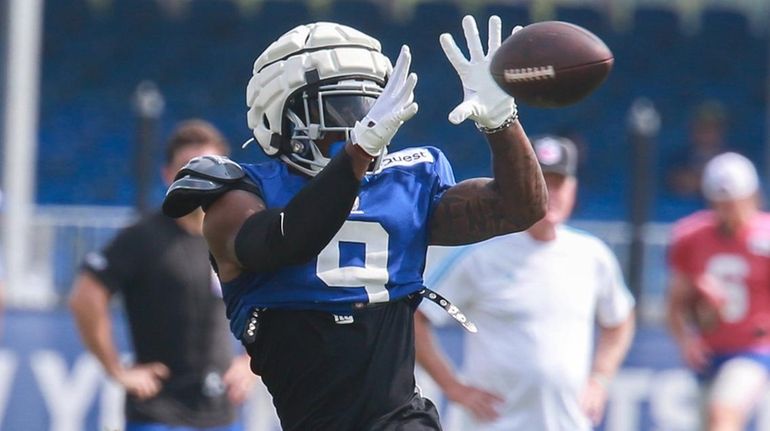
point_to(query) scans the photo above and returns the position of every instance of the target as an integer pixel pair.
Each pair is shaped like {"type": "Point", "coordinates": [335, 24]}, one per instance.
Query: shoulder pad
{"type": "Point", "coordinates": [201, 182]}
{"type": "Point", "coordinates": [216, 168]}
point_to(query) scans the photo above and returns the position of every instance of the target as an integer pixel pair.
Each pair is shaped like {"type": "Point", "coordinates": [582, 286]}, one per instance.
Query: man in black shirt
{"type": "Point", "coordinates": [184, 373]}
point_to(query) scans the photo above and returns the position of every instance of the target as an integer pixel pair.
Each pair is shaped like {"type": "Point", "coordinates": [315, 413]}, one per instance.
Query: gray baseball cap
{"type": "Point", "coordinates": [556, 155]}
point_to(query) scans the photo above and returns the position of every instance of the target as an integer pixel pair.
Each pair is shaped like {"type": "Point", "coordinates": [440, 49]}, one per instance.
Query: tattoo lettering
{"type": "Point", "coordinates": [481, 208]}
{"type": "Point", "coordinates": [470, 214]}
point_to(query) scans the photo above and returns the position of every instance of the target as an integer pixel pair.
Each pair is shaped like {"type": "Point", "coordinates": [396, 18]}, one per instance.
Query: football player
{"type": "Point", "coordinates": [321, 251]}
{"type": "Point", "coordinates": [719, 292]}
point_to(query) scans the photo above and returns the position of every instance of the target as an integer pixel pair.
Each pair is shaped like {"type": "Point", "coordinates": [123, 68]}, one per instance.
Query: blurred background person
{"type": "Point", "coordinates": [185, 375]}
{"type": "Point", "coordinates": [719, 293]}
{"type": "Point", "coordinates": [707, 138]}
{"type": "Point", "coordinates": [535, 296]}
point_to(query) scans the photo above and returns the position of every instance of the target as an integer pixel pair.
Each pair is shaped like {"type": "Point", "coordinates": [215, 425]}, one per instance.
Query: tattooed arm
{"type": "Point", "coordinates": [480, 208]}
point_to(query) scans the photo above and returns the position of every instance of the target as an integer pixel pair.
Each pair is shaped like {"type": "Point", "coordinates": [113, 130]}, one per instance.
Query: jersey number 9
{"type": "Point", "coordinates": [373, 276]}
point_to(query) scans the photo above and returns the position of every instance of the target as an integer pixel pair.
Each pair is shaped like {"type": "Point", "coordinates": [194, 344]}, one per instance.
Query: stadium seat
{"type": "Point", "coordinates": [589, 18]}
{"type": "Point", "coordinates": [350, 12]}
{"type": "Point", "coordinates": [510, 14]}
{"type": "Point", "coordinates": [201, 61]}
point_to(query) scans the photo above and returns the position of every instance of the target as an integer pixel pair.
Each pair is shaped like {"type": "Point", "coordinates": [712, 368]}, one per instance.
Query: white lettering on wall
{"type": "Point", "coordinates": [112, 402]}
{"type": "Point", "coordinates": [67, 396]}
{"type": "Point", "coordinates": [8, 363]}
{"type": "Point", "coordinates": [629, 388]}
{"type": "Point", "coordinates": [259, 413]}
{"type": "Point", "coordinates": [676, 400]}
{"type": "Point", "coordinates": [641, 398]}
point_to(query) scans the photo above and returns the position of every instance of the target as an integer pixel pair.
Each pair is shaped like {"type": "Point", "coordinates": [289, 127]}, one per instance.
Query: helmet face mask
{"type": "Point", "coordinates": [309, 88]}
{"type": "Point", "coordinates": [314, 112]}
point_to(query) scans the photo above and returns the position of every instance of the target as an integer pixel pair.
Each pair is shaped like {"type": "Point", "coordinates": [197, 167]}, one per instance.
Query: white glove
{"type": "Point", "coordinates": [394, 106]}
{"type": "Point", "coordinates": [483, 101]}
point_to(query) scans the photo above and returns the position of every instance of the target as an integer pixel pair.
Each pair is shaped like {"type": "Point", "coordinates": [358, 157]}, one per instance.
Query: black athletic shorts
{"type": "Point", "coordinates": [357, 376]}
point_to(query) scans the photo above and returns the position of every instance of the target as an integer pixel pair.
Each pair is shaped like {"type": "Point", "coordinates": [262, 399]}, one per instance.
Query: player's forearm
{"type": "Point", "coordinates": [360, 160]}
{"type": "Point", "coordinates": [98, 339]}
{"type": "Point", "coordinates": [481, 208]}
{"type": "Point", "coordinates": [678, 325]}
{"type": "Point", "coordinates": [429, 355]}
{"type": "Point", "coordinates": [95, 328]}
{"type": "Point", "coordinates": [611, 348]}
{"type": "Point", "coordinates": [677, 306]}
{"type": "Point", "coordinates": [518, 180]}
{"type": "Point", "coordinates": [274, 238]}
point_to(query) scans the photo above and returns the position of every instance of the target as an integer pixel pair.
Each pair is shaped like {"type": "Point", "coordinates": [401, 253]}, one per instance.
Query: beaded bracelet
{"type": "Point", "coordinates": [506, 124]}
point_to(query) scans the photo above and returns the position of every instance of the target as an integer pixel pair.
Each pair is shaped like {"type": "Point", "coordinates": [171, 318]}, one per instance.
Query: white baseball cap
{"type": "Point", "coordinates": [729, 176]}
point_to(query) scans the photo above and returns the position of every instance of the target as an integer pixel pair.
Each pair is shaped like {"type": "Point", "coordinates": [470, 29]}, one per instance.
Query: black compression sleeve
{"type": "Point", "coordinates": [274, 238]}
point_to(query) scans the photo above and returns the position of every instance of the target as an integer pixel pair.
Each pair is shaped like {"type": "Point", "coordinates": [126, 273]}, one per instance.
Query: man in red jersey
{"type": "Point", "coordinates": [719, 293]}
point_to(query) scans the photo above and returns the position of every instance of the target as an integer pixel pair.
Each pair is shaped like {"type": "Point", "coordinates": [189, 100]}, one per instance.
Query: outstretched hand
{"type": "Point", "coordinates": [393, 107]}
{"type": "Point", "coordinates": [483, 101]}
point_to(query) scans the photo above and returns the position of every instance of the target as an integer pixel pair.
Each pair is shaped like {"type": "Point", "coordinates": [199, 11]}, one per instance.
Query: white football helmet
{"type": "Point", "coordinates": [316, 78]}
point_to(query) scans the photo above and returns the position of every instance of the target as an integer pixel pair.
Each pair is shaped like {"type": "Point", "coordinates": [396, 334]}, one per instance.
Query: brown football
{"type": "Point", "coordinates": [551, 64]}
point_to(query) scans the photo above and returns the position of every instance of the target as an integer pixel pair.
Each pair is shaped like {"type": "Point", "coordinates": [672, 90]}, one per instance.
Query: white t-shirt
{"type": "Point", "coordinates": [535, 304]}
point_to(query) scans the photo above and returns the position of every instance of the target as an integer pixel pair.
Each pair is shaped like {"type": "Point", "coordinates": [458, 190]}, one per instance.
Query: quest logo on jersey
{"type": "Point", "coordinates": [408, 157]}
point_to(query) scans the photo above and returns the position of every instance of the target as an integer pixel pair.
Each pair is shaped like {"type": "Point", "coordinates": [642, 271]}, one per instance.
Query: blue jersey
{"type": "Point", "coordinates": [378, 255]}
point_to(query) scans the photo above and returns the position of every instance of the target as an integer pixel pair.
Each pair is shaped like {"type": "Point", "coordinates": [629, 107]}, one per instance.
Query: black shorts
{"type": "Point", "coordinates": [355, 376]}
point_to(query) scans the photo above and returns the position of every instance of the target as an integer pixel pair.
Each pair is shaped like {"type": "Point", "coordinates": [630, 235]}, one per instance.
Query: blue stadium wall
{"type": "Point", "coordinates": [201, 60]}
{"type": "Point", "coordinates": [47, 382]}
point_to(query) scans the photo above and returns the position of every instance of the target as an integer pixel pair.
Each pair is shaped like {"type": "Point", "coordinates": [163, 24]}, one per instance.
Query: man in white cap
{"type": "Point", "coordinates": [535, 297]}
{"type": "Point", "coordinates": [719, 293]}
